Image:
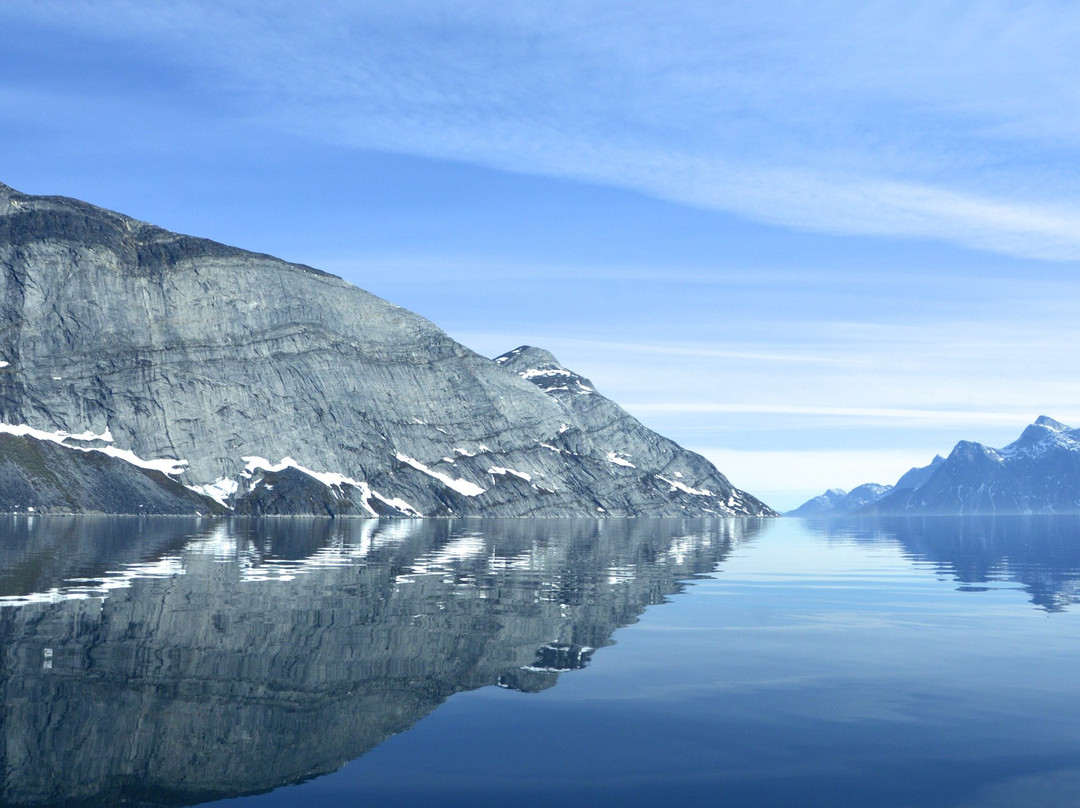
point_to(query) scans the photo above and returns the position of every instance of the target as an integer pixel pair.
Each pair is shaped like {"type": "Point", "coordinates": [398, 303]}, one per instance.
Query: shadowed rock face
{"type": "Point", "coordinates": [184, 348]}
{"type": "Point", "coordinates": [41, 476]}
{"type": "Point", "coordinates": [287, 648]}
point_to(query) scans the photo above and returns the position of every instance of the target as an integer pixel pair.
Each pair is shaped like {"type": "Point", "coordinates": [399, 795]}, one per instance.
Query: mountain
{"type": "Point", "coordinates": [915, 477]}
{"type": "Point", "coordinates": [819, 505]}
{"type": "Point", "coordinates": [1039, 472]}
{"type": "Point", "coordinates": [836, 501]}
{"type": "Point", "coordinates": [275, 388]}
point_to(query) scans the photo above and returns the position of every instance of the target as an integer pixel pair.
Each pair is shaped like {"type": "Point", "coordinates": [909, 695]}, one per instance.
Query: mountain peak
{"type": "Point", "coordinates": [527, 357]}
{"type": "Point", "coordinates": [1050, 423]}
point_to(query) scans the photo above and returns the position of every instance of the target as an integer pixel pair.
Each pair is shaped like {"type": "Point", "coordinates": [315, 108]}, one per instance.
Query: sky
{"type": "Point", "coordinates": [818, 242]}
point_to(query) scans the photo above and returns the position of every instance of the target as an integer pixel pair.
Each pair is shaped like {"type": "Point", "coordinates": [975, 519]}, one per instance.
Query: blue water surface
{"type": "Point", "coordinates": [780, 662]}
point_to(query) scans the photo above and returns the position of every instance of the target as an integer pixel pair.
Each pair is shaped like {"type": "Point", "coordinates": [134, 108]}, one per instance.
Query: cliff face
{"type": "Point", "coordinates": [178, 347]}
{"type": "Point", "coordinates": [244, 657]}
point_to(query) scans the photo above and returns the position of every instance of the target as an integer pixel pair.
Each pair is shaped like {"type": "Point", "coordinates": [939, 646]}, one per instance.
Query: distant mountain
{"type": "Point", "coordinates": [820, 505]}
{"type": "Point", "coordinates": [266, 387]}
{"type": "Point", "coordinates": [836, 501]}
{"type": "Point", "coordinates": [1039, 472]}
{"type": "Point", "coordinates": [915, 477]}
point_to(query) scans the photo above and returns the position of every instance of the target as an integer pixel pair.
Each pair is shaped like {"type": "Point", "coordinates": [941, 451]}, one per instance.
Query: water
{"type": "Point", "coordinates": [928, 662]}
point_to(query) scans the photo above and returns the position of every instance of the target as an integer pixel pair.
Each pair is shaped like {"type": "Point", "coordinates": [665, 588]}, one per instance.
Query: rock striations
{"type": "Point", "coordinates": [275, 388]}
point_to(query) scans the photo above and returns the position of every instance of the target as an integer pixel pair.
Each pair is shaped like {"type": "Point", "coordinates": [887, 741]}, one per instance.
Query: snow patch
{"type": "Point", "coordinates": [678, 486]}
{"type": "Point", "coordinates": [500, 470]}
{"type": "Point", "coordinates": [465, 453]}
{"type": "Point", "coordinates": [4, 364]}
{"type": "Point", "coordinates": [331, 479]}
{"type": "Point", "coordinates": [463, 487]}
{"type": "Point", "coordinates": [618, 460]}
{"type": "Point", "coordinates": [219, 491]}
{"type": "Point", "coordinates": [165, 465]}
{"type": "Point", "coordinates": [538, 373]}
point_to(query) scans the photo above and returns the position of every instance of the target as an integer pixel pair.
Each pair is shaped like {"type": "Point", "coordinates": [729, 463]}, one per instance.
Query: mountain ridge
{"type": "Point", "coordinates": [1039, 472]}
{"type": "Point", "coordinates": [238, 366]}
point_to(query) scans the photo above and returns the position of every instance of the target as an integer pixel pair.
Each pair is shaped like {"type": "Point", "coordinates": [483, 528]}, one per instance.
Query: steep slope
{"type": "Point", "coordinates": [915, 477]}
{"type": "Point", "coordinates": [238, 365]}
{"type": "Point", "coordinates": [43, 476]}
{"type": "Point", "coordinates": [624, 458]}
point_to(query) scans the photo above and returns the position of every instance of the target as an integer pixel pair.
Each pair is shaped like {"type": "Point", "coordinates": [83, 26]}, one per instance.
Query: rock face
{"type": "Point", "coordinates": [244, 656]}
{"type": "Point", "coordinates": [38, 476]}
{"type": "Point", "coordinates": [1039, 473]}
{"type": "Point", "coordinates": [242, 366]}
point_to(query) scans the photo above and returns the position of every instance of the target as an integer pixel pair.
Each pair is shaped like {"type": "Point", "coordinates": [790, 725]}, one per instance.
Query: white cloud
{"type": "Point", "coordinates": [956, 121]}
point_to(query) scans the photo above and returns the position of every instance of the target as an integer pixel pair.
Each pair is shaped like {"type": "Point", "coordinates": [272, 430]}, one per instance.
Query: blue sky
{"type": "Point", "coordinates": [818, 242]}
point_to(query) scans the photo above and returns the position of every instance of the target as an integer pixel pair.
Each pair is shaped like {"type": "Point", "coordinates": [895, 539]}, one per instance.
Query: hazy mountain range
{"type": "Point", "coordinates": [1039, 472]}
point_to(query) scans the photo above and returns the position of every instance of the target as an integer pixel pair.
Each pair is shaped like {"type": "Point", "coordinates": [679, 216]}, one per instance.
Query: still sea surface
{"type": "Point", "coordinates": [890, 662]}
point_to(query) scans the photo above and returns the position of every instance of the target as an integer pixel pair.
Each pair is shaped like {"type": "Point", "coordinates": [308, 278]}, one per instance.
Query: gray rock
{"type": "Point", "coordinates": [185, 348]}
{"type": "Point", "coordinates": [38, 476]}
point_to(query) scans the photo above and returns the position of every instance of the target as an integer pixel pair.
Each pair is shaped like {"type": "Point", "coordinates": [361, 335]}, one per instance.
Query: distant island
{"type": "Point", "coordinates": [1038, 473]}
{"type": "Point", "coordinates": [146, 372]}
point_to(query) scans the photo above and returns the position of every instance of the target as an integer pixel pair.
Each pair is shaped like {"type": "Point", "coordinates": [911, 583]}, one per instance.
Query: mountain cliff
{"type": "Point", "coordinates": [274, 388]}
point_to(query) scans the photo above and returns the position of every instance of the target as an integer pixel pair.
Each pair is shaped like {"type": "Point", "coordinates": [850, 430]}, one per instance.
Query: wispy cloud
{"type": "Point", "coordinates": [916, 417]}
{"type": "Point", "coordinates": [917, 119]}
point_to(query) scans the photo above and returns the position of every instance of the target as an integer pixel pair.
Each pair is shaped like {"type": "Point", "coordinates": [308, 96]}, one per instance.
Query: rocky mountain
{"type": "Point", "coordinates": [1039, 472]}
{"type": "Point", "coordinates": [275, 388]}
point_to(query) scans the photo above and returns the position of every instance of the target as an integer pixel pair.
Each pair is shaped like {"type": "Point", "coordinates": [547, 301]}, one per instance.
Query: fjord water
{"type": "Point", "coordinates": [891, 662]}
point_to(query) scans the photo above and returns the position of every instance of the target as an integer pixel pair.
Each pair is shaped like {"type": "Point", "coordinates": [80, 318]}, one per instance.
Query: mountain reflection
{"type": "Point", "coordinates": [172, 662]}
{"type": "Point", "coordinates": [1042, 553]}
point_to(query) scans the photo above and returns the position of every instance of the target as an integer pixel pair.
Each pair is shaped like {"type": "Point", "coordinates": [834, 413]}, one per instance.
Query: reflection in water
{"type": "Point", "coordinates": [1042, 553]}
{"type": "Point", "coordinates": [175, 661]}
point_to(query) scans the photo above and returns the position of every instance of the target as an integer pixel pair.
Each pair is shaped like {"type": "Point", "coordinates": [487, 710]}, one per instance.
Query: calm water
{"type": "Point", "coordinates": [929, 662]}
